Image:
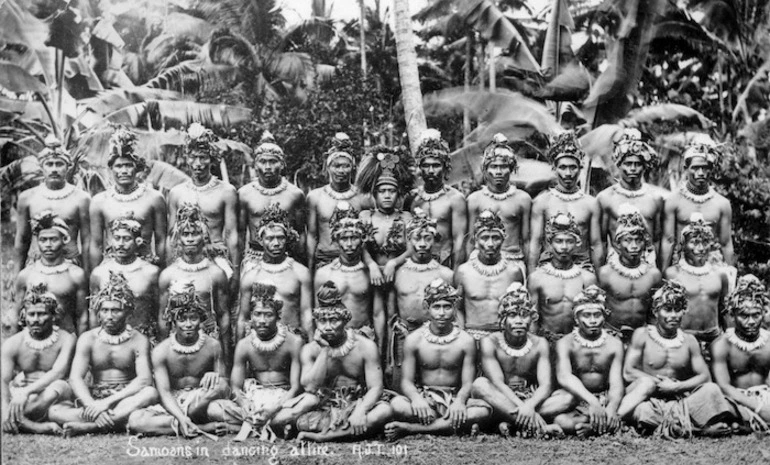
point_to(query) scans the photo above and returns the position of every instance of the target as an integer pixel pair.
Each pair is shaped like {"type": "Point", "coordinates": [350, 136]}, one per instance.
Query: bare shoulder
{"type": "Point", "coordinates": [446, 274]}
{"type": "Point", "coordinates": [295, 191]}
{"type": "Point", "coordinates": [150, 269]}
{"type": "Point", "coordinates": [365, 215]}
{"type": "Point", "coordinates": [77, 273]}
{"type": "Point", "coordinates": [294, 341]}
{"type": "Point", "coordinates": [413, 339]}
{"type": "Point", "coordinates": [12, 343]}
{"type": "Point", "coordinates": [691, 342]}
{"type": "Point", "coordinates": [604, 274]}
{"type": "Point", "coordinates": [366, 345]}
{"type": "Point", "coordinates": [87, 338]}
{"type": "Point", "coordinates": [540, 343]}
{"type": "Point", "coordinates": [81, 196]}
{"type": "Point", "coordinates": [155, 195]}
{"type": "Point", "coordinates": [302, 272]}
{"type": "Point", "coordinates": [541, 200]}
{"type": "Point", "coordinates": [588, 276]}
{"type": "Point", "coordinates": [314, 194]}
{"type": "Point", "coordinates": [615, 344]}
{"type": "Point", "coordinates": [67, 337]}
{"type": "Point", "coordinates": [454, 195]}
{"type": "Point", "coordinates": [473, 198]}
{"type": "Point", "coordinates": [466, 340]}
{"type": "Point", "coordinates": [604, 196]}
{"type": "Point", "coordinates": [639, 337]}
{"type": "Point", "coordinates": [720, 346]}
{"type": "Point", "coordinates": [311, 349]}
{"type": "Point", "coordinates": [672, 272]}
{"type": "Point", "coordinates": [161, 350]}
{"type": "Point", "coordinates": [228, 188]}
{"type": "Point", "coordinates": [217, 273]}
{"type": "Point", "coordinates": [98, 199]}
{"type": "Point", "coordinates": [245, 189]}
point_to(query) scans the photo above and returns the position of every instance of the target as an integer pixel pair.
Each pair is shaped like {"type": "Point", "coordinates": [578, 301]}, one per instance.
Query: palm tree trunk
{"type": "Point", "coordinates": [362, 37]}
{"type": "Point", "coordinates": [411, 96]}
{"type": "Point", "coordinates": [467, 82]}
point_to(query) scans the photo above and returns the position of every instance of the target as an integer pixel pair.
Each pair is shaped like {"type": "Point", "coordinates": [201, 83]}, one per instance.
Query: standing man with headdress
{"type": "Point", "coordinates": [348, 272]}
{"type": "Point", "coordinates": [291, 279]}
{"type": "Point", "coordinates": [405, 310]}
{"type": "Point", "coordinates": [142, 276]}
{"type": "Point", "coordinates": [482, 279]}
{"type": "Point", "coordinates": [502, 197]}
{"type": "Point", "coordinates": [191, 238]}
{"type": "Point", "coordinates": [189, 372]}
{"type": "Point", "coordinates": [590, 370]}
{"type": "Point", "coordinates": [443, 203]}
{"type": "Point", "coordinates": [628, 278]}
{"type": "Point", "coordinates": [438, 373]}
{"type": "Point", "coordinates": [566, 156]}
{"type": "Point", "coordinates": [118, 359]}
{"type": "Point", "coordinates": [554, 285]}
{"type": "Point", "coordinates": [342, 378]}
{"type": "Point", "coordinates": [671, 392]}
{"type": "Point", "coordinates": [634, 159]}
{"type": "Point", "coordinates": [697, 195]}
{"type": "Point", "coordinates": [741, 356]}
{"type": "Point", "coordinates": [270, 187]}
{"type": "Point", "coordinates": [217, 199]}
{"type": "Point", "coordinates": [54, 194]}
{"type": "Point", "coordinates": [128, 195]}
{"type": "Point", "coordinates": [516, 366]}
{"type": "Point", "coordinates": [63, 279]}
{"type": "Point", "coordinates": [706, 284]}
{"type": "Point", "coordinates": [41, 353]}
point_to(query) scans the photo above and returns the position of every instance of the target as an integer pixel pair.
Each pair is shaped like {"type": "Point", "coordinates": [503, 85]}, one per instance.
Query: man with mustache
{"type": "Point", "coordinates": [62, 279]}
{"type": "Point", "coordinates": [566, 157]}
{"type": "Point", "coordinates": [483, 278]}
{"type": "Point", "coordinates": [118, 359]}
{"type": "Point", "coordinates": [217, 199]}
{"type": "Point", "coordinates": [670, 390]}
{"type": "Point", "coordinates": [141, 275]}
{"type": "Point", "coordinates": [741, 356]}
{"type": "Point", "coordinates": [271, 187]}
{"type": "Point", "coordinates": [502, 197]}
{"type": "Point", "coordinates": [706, 284]}
{"type": "Point", "coordinates": [291, 279]}
{"type": "Point", "coordinates": [53, 194]}
{"type": "Point", "coordinates": [697, 195]}
{"type": "Point", "coordinates": [41, 355]}
{"type": "Point", "coordinates": [128, 195]}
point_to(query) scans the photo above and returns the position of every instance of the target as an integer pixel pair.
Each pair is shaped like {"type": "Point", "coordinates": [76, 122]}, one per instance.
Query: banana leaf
{"type": "Point", "coordinates": [668, 112]}
{"type": "Point", "coordinates": [17, 80]}
{"type": "Point", "coordinates": [179, 114]}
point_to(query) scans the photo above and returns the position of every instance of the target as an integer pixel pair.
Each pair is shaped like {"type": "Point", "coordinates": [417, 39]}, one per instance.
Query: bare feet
{"type": "Point", "coordinates": [217, 427]}
{"type": "Point", "coordinates": [308, 436]}
{"type": "Point", "coordinates": [288, 432]}
{"type": "Point", "coordinates": [553, 432]}
{"type": "Point", "coordinates": [583, 430]}
{"type": "Point", "coordinates": [716, 430]}
{"type": "Point", "coordinates": [75, 428]}
{"type": "Point", "coordinates": [48, 427]}
{"type": "Point", "coordinates": [395, 430]}
{"type": "Point", "coordinates": [505, 429]}
{"type": "Point", "coordinates": [475, 430]}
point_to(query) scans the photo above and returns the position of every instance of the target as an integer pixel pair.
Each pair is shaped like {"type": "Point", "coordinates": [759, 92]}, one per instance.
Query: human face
{"type": "Point", "coordinates": [191, 239]}
{"type": "Point", "coordinates": [113, 316]}
{"type": "Point", "coordinates": [124, 244]}
{"type": "Point", "coordinates": [50, 243]}
{"type": "Point", "coordinates": [39, 321]}
{"type": "Point", "coordinates": [54, 170]}
{"type": "Point", "coordinates": [441, 315]}
{"type": "Point", "coordinates": [264, 321]}
{"type": "Point", "coordinates": [748, 321]}
{"type": "Point", "coordinates": [517, 322]}
{"type": "Point", "coordinates": [187, 324]}
{"type": "Point", "coordinates": [432, 171]}
{"type": "Point", "coordinates": [668, 320]}
{"type": "Point", "coordinates": [422, 243]}
{"type": "Point", "coordinates": [563, 246]}
{"type": "Point", "coordinates": [340, 171]}
{"type": "Point", "coordinates": [630, 248]}
{"type": "Point", "coordinates": [385, 196]}
{"type": "Point", "coordinates": [695, 250]}
{"type": "Point", "coordinates": [274, 242]}
{"type": "Point", "coordinates": [498, 173]}
{"type": "Point", "coordinates": [350, 243]}
{"type": "Point", "coordinates": [488, 243]}
{"type": "Point", "coordinates": [331, 327]}
{"type": "Point", "coordinates": [199, 162]}
{"type": "Point", "coordinates": [269, 168]}
{"type": "Point", "coordinates": [124, 171]}
{"type": "Point", "coordinates": [567, 171]}
{"type": "Point", "coordinates": [698, 172]}
{"type": "Point", "coordinates": [631, 169]}
{"type": "Point", "coordinates": [590, 322]}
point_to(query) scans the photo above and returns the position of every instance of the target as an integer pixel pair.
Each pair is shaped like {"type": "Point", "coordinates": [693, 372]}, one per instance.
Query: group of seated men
{"type": "Point", "coordinates": [565, 340]}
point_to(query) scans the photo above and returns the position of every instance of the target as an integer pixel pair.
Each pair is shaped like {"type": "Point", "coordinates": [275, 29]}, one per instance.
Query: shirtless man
{"type": "Point", "coordinates": [443, 203]}
{"type": "Point", "coordinates": [502, 197]}
{"type": "Point", "coordinates": [128, 195]}
{"type": "Point", "coordinates": [516, 365]}
{"type": "Point", "coordinates": [341, 376]}
{"type": "Point", "coordinates": [438, 372]}
{"type": "Point", "coordinates": [634, 159]}
{"type": "Point", "coordinates": [189, 375]}
{"type": "Point", "coordinates": [270, 187]}
{"type": "Point", "coordinates": [697, 196]}
{"type": "Point", "coordinates": [350, 276]}
{"type": "Point", "coordinates": [54, 194]}
{"type": "Point", "coordinates": [42, 352]}
{"type": "Point", "coordinates": [482, 279]}
{"type": "Point", "coordinates": [627, 278]}
{"type": "Point", "coordinates": [63, 279]}
{"type": "Point", "coordinates": [706, 284]}
{"type": "Point", "coordinates": [291, 279]}
{"type": "Point", "coordinates": [190, 238]}
{"type": "Point", "coordinates": [590, 370]}
{"type": "Point", "coordinates": [141, 275]}
{"type": "Point", "coordinates": [741, 356]}
{"type": "Point", "coordinates": [405, 309]}
{"type": "Point", "coordinates": [555, 285]}
{"type": "Point", "coordinates": [217, 199]}
{"type": "Point", "coordinates": [266, 369]}
{"type": "Point", "coordinates": [118, 359]}
{"type": "Point", "coordinates": [668, 375]}
{"type": "Point", "coordinates": [567, 159]}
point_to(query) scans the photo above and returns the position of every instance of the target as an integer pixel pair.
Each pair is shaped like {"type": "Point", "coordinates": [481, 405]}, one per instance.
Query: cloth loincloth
{"type": "Point", "coordinates": [254, 399]}
{"type": "Point", "coordinates": [185, 398]}
{"type": "Point", "coordinates": [334, 408]}
{"type": "Point", "coordinates": [440, 398]}
{"type": "Point", "coordinates": [762, 395]}
{"type": "Point", "coordinates": [103, 390]}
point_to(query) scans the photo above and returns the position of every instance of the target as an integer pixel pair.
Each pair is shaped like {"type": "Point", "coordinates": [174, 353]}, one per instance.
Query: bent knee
{"type": "Point", "coordinates": [138, 420]}
{"type": "Point", "coordinates": [401, 406]}
{"type": "Point", "coordinates": [480, 387]}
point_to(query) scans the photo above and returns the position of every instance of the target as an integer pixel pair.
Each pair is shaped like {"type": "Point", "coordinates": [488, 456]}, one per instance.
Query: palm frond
{"type": "Point", "coordinates": [179, 114]}
{"type": "Point", "coordinates": [196, 77]}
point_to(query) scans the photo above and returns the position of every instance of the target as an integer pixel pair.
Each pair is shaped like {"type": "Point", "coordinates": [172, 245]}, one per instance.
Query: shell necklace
{"type": "Point", "coordinates": [213, 182]}
{"type": "Point", "coordinates": [628, 193]}
{"type": "Point", "coordinates": [271, 191]}
{"type": "Point", "coordinates": [275, 268]}
{"type": "Point", "coordinates": [630, 273]}
{"type": "Point", "coordinates": [488, 270]}
{"type": "Point", "coordinates": [697, 198]}
{"type": "Point", "coordinates": [414, 266]}
{"type": "Point", "coordinates": [192, 267]}
{"type": "Point", "coordinates": [513, 351]}
{"type": "Point", "coordinates": [344, 195]}
{"type": "Point", "coordinates": [499, 195]}
{"type": "Point", "coordinates": [53, 269]}
{"type": "Point", "coordinates": [41, 344]}
{"type": "Point", "coordinates": [745, 345]}
{"type": "Point", "coordinates": [337, 265]}
{"type": "Point", "coordinates": [664, 342]}
{"type": "Point", "coordinates": [117, 338]}
{"type": "Point", "coordinates": [271, 344]}
{"type": "Point", "coordinates": [346, 347]}
{"type": "Point", "coordinates": [569, 273]}
{"type": "Point", "coordinates": [191, 349]}
{"type": "Point", "coordinates": [57, 194]}
{"type": "Point", "coordinates": [567, 197]}
{"type": "Point", "coordinates": [130, 196]}
{"type": "Point", "coordinates": [587, 343]}
{"type": "Point", "coordinates": [437, 339]}
{"type": "Point", "coordinates": [694, 270]}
